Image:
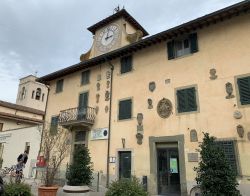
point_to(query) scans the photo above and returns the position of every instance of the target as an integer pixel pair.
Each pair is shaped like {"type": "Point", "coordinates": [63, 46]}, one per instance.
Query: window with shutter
{"type": "Point", "coordinates": [186, 100]}
{"type": "Point", "coordinates": [85, 77]}
{"type": "Point", "coordinates": [244, 90]}
{"type": "Point", "coordinates": [54, 125]}
{"type": "Point", "coordinates": [126, 64]}
{"type": "Point", "coordinates": [182, 46]}
{"type": "Point", "coordinates": [125, 109]}
{"type": "Point", "coordinates": [59, 86]}
{"type": "Point", "coordinates": [228, 147]}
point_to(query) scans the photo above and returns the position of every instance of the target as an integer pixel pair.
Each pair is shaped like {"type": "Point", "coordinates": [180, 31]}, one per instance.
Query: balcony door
{"type": "Point", "coordinates": [82, 106]}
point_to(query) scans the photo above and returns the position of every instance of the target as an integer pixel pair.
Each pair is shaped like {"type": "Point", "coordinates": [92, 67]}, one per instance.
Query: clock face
{"type": "Point", "coordinates": [107, 38]}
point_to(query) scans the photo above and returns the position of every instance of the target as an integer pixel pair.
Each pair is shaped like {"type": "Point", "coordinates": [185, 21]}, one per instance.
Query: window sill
{"type": "Point", "coordinates": [124, 120]}
{"type": "Point", "coordinates": [186, 113]}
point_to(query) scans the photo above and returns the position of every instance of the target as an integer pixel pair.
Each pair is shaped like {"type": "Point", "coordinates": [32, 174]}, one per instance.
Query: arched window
{"type": "Point", "coordinates": [43, 97]}
{"type": "Point", "coordinates": [23, 93]}
{"type": "Point", "coordinates": [33, 94]}
{"type": "Point", "coordinates": [38, 93]}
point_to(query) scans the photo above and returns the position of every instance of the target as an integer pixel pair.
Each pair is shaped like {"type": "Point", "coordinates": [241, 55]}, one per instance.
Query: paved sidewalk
{"type": "Point", "coordinates": [36, 183]}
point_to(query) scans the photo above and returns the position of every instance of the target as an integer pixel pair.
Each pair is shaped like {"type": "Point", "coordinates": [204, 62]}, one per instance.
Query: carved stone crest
{"type": "Point", "coordinates": [139, 118]}
{"type": "Point", "coordinates": [107, 96]}
{"type": "Point", "coordinates": [151, 86]}
{"type": "Point", "coordinates": [229, 90]}
{"type": "Point", "coordinates": [193, 136]}
{"type": "Point", "coordinates": [99, 77]}
{"type": "Point", "coordinates": [96, 109]}
{"type": "Point", "coordinates": [97, 97]}
{"type": "Point", "coordinates": [237, 114]}
{"type": "Point", "coordinates": [213, 75]}
{"type": "Point", "coordinates": [108, 75]}
{"type": "Point", "coordinates": [106, 109]}
{"type": "Point", "coordinates": [240, 131]}
{"type": "Point", "coordinates": [164, 108]}
{"type": "Point", "coordinates": [139, 138]}
{"type": "Point", "coordinates": [150, 104]}
{"type": "Point", "coordinates": [98, 85]}
{"type": "Point", "coordinates": [108, 83]}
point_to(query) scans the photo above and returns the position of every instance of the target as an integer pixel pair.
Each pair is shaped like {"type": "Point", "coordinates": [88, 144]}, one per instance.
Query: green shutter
{"type": "Point", "coordinates": [191, 97]}
{"type": "Point", "coordinates": [193, 42]}
{"type": "Point", "coordinates": [125, 108]}
{"type": "Point", "coordinates": [244, 90]}
{"type": "Point", "coordinates": [126, 64]}
{"type": "Point", "coordinates": [85, 77]}
{"type": "Point", "coordinates": [54, 125]}
{"type": "Point", "coordinates": [59, 86]}
{"type": "Point", "coordinates": [170, 47]}
{"type": "Point", "coordinates": [186, 99]}
{"type": "Point", "coordinates": [181, 99]}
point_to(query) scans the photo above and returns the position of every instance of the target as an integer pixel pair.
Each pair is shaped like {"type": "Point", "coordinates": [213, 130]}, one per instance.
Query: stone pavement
{"type": "Point", "coordinates": [34, 183]}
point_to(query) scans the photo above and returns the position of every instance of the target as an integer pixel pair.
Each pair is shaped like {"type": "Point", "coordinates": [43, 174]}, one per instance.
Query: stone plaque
{"type": "Point", "coordinates": [213, 75]}
{"type": "Point", "coordinates": [237, 114]}
{"type": "Point", "coordinates": [193, 157]}
{"type": "Point", "coordinates": [99, 77]}
{"type": "Point", "coordinates": [106, 109]}
{"type": "Point", "coordinates": [229, 90]}
{"type": "Point", "coordinates": [107, 96]}
{"type": "Point", "coordinates": [108, 83]}
{"type": "Point", "coordinates": [151, 86]}
{"type": "Point", "coordinates": [240, 131]}
{"type": "Point", "coordinates": [96, 109]}
{"type": "Point", "coordinates": [164, 108]}
{"type": "Point", "coordinates": [150, 104]}
{"type": "Point", "coordinates": [248, 135]}
{"type": "Point", "coordinates": [98, 86]}
{"type": "Point", "coordinates": [108, 75]}
{"type": "Point", "coordinates": [97, 97]}
{"type": "Point", "coordinates": [139, 128]}
{"type": "Point", "coordinates": [193, 136]}
{"type": "Point", "coordinates": [139, 138]}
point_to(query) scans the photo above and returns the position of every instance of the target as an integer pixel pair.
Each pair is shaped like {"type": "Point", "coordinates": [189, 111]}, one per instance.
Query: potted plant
{"type": "Point", "coordinates": [79, 173]}
{"type": "Point", "coordinates": [54, 148]}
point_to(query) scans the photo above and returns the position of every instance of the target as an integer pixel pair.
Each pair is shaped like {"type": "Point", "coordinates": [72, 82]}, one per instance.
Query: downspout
{"type": "Point", "coordinates": [44, 117]}
{"type": "Point", "coordinates": [110, 109]}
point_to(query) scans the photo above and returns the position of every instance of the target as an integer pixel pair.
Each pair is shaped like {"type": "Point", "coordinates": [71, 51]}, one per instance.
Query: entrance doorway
{"type": "Point", "coordinates": [168, 171]}
{"type": "Point", "coordinates": [124, 164]}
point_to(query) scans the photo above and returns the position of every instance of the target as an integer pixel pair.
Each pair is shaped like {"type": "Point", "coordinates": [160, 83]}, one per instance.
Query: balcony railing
{"type": "Point", "coordinates": [79, 115]}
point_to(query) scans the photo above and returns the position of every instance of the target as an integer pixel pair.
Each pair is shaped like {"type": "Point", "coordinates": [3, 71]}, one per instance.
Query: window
{"type": "Point", "coordinates": [126, 64]}
{"type": "Point", "coordinates": [125, 109]}
{"type": "Point", "coordinates": [59, 86]}
{"type": "Point", "coordinates": [23, 93]}
{"type": "Point", "coordinates": [85, 77]}
{"type": "Point", "coordinates": [228, 148]}
{"type": "Point", "coordinates": [38, 93]}
{"type": "Point", "coordinates": [244, 90]}
{"type": "Point", "coordinates": [33, 94]}
{"type": "Point", "coordinates": [186, 100]}
{"type": "Point", "coordinates": [182, 46]}
{"type": "Point", "coordinates": [1, 126]}
{"type": "Point", "coordinates": [54, 125]}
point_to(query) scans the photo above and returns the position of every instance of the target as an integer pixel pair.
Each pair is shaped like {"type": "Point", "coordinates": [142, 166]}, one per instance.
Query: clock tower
{"type": "Point", "coordinates": [114, 32]}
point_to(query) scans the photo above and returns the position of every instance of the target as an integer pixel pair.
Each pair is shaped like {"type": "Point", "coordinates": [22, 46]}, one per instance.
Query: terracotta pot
{"type": "Point", "coordinates": [47, 191]}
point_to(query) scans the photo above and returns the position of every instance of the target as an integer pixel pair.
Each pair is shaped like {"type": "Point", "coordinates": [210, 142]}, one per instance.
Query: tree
{"type": "Point", "coordinates": [54, 148]}
{"type": "Point", "coordinates": [80, 171]}
{"type": "Point", "coordinates": [214, 174]}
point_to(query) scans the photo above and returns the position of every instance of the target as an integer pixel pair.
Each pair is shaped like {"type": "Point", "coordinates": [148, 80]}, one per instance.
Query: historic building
{"type": "Point", "coordinates": [140, 103]}
{"type": "Point", "coordinates": [21, 126]}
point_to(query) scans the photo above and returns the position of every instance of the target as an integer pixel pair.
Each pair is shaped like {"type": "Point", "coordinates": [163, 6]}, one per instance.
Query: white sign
{"type": "Point", "coordinates": [4, 137]}
{"type": "Point", "coordinates": [100, 134]}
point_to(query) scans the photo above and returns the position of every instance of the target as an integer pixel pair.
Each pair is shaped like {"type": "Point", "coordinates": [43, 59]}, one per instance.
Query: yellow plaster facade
{"type": "Point", "coordinates": [223, 46]}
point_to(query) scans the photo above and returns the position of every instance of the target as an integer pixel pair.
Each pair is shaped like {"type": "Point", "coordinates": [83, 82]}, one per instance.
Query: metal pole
{"type": "Point", "coordinates": [110, 108]}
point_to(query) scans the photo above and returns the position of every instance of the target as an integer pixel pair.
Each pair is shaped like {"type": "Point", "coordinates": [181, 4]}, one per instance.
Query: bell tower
{"type": "Point", "coordinates": [31, 93]}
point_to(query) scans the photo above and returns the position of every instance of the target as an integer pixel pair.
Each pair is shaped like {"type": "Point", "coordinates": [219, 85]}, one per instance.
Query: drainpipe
{"type": "Point", "coordinates": [44, 117]}
{"type": "Point", "coordinates": [110, 109]}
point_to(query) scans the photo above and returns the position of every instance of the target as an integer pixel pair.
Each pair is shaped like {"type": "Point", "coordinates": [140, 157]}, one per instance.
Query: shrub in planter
{"type": "Point", "coordinates": [80, 171]}
{"type": "Point", "coordinates": [17, 189]}
{"type": "Point", "coordinates": [215, 176]}
{"type": "Point", "coordinates": [125, 187]}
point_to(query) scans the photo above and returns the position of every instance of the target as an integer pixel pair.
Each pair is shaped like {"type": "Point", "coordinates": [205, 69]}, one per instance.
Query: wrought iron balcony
{"type": "Point", "coordinates": [77, 116]}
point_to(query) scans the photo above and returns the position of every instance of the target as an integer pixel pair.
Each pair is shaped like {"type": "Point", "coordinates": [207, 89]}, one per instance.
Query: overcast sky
{"type": "Point", "coordinates": [46, 35]}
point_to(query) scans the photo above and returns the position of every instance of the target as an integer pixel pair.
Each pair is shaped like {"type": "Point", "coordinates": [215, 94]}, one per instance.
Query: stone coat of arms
{"type": "Point", "coordinates": [164, 108]}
